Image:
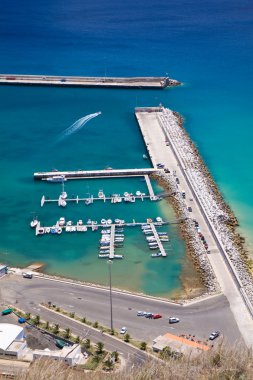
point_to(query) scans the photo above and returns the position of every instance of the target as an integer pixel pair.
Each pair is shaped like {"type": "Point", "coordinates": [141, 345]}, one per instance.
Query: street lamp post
{"type": "Point", "coordinates": [110, 283]}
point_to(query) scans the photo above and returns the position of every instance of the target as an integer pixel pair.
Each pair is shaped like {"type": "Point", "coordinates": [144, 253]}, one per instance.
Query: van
{"type": "Point", "coordinates": [177, 180]}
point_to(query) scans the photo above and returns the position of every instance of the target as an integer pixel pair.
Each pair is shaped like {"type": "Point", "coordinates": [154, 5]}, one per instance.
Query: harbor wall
{"type": "Point", "coordinates": [79, 81]}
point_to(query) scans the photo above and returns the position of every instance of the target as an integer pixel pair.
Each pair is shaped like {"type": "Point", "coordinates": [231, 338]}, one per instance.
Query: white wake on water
{"type": "Point", "coordinates": [77, 126]}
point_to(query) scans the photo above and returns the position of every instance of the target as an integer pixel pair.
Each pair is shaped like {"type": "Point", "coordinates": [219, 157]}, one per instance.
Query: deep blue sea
{"type": "Point", "coordinates": [205, 44]}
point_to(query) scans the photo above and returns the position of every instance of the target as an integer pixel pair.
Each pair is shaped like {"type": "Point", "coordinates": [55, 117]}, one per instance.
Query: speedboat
{"type": "Point", "coordinates": [118, 256]}
{"type": "Point", "coordinates": [153, 247]}
{"type": "Point", "coordinates": [158, 254]}
{"type": "Point", "coordinates": [116, 221]}
{"type": "Point", "coordinates": [53, 230]}
{"type": "Point", "coordinates": [61, 221]}
{"type": "Point", "coordinates": [56, 178]}
{"type": "Point", "coordinates": [89, 221]}
{"type": "Point", "coordinates": [158, 219]}
{"type": "Point", "coordinates": [103, 221]}
{"type": "Point", "coordinates": [80, 222]}
{"type": "Point", "coordinates": [106, 232]}
{"type": "Point", "coordinates": [69, 223]}
{"type": "Point", "coordinates": [104, 251]}
{"type": "Point", "coordinates": [126, 194]}
{"type": "Point", "coordinates": [101, 194]}
{"type": "Point", "coordinates": [144, 156]}
{"type": "Point", "coordinates": [47, 230]}
{"type": "Point", "coordinates": [103, 256]}
{"type": "Point", "coordinates": [34, 222]}
{"type": "Point", "coordinates": [109, 221]}
{"type": "Point", "coordinates": [138, 193]}
{"type": "Point", "coordinates": [59, 230]}
{"type": "Point", "coordinates": [88, 201]}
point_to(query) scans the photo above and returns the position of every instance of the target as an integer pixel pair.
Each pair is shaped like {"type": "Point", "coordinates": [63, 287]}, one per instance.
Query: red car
{"type": "Point", "coordinates": [157, 316]}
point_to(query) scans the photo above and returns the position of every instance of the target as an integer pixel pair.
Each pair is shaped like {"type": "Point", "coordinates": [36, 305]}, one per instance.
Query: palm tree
{"type": "Point", "coordinates": [56, 329]}
{"type": "Point", "coordinates": [108, 365]}
{"type": "Point", "coordinates": [87, 343]}
{"type": "Point", "coordinates": [95, 324]}
{"type": "Point", "coordinates": [84, 320]}
{"type": "Point", "coordinates": [67, 333]}
{"type": "Point", "coordinates": [28, 316]}
{"type": "Point", "coordinates": [115, 355]}
{"type": "Point", "coordinates": [36, 320]}
{"type": "Point", "coordinates": [77, 340]}
{"type": "Point", "coordinates": [143, 346]}
{"type": "Point", "coordinates": [127, 338]}
{"type": "Point", "coordinates": [100, 347]}
{"type": "Point", "coordinates": [47, 325]}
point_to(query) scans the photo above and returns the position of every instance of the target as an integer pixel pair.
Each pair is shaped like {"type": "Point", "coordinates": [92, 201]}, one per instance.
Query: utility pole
{"type": "Point", "coordinates": [110, 283]}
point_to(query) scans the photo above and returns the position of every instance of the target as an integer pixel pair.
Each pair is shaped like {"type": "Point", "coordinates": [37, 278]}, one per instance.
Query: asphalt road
{"type": "Point", "coordinates": [198, 319]}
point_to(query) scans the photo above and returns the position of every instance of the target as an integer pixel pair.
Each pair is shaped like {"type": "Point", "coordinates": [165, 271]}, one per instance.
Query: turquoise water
{"type": "Point", "coordinates": [206, 44]}
{"type": "Point", "coordinates": [112, 139]}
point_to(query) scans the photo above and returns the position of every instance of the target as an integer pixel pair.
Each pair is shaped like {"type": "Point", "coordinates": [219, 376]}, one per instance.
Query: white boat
{"type": "Point", "coordinates": [126, 194]}
{"type": "Point", "coordinates": [103, 256]}
{"type": "Point", "coordinates": [40, 231]}
{"type": "Point", "coordinates": [118, 256]}
{"type": "Point", "coordinates": [69, 223]}
{"type": "Point", "coordinates": [47, 230]}
{"type": "Point", "coordinates": [56, 178]}
{"type": "Point", "coordinates": [59, 230]}
{"type": "Point", "coordinates": [158, 254]}
{"type": "Point", "coordinates": [138, 193]}
{"type": "Point", "coordinates": [101, 194]}
{"type": "Point", "coordinates": [88, 201]}
{"type": "Point", "coordinates": [106, 232]}
{"type": "Point", "coordinates": [153, 247]}
{"type": "Point", "coordinates": [109, 221]}
{"type": "Point", "coordinates": [62, 202]}
{"type": "Point", "coordinates": [103, 221]}
{"type": "Point", "coordinates": [61, 221]}
{"type": "Point", "coordinates": [34, 222]}
{"type": "Point", "coordinates": [158, 219]}
{"type": "Point", "coordinates": [144, 157]}
{"type": "Point", "coordinates": [116, 221]}
{"type": "Point", "coordinates": [152, 243]}
{"type": "Point", "coordinates": [80, 222]}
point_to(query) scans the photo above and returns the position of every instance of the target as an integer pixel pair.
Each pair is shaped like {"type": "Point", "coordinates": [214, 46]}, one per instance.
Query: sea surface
{"type": "Point", "coordinates": [205, 44]}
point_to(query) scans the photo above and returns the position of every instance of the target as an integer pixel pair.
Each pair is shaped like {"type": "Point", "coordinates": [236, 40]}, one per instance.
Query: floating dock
{"type": "Point", "coordinates": [157, 237]}
{"type": "Point", "coordinates": [150, 188]}
{"type": "Point", "coordinates": [112, 237]}
{"type": "Point", "coordinates": [80, 174]}
{"type": "Point", "coordinates": [80, 81]}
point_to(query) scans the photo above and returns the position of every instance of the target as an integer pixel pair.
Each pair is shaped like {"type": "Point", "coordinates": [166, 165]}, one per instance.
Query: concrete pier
{"type": "Point", "coordinates": [150, 188]}
{"type": "Point", "coordinates": [160, 245]}
{"type": "Point", "coordinates": [81, 81]}
{"type": "Point", "coordinates": [79, 174]}
{"type": "Point", "coordinates": [160, 128]}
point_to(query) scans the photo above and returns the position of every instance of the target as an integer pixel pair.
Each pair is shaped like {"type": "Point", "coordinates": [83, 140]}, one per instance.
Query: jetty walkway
{"type": "Point", "coordinates": [81, 81]}
{"type": "Point", "coordinates": [160, 245]}
{"type": "Point", "coordinates": [158, 126]}
{"type": "Point", "coordinates": [79, 174]}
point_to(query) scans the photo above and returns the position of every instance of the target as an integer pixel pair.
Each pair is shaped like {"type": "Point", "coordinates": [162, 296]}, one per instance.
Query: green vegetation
{"type": "Point", "coordinates": [143, 346]}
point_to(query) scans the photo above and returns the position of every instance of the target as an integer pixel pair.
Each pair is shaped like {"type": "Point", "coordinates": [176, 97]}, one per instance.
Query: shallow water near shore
{"type": "Point", "coordinates": [208, 46]}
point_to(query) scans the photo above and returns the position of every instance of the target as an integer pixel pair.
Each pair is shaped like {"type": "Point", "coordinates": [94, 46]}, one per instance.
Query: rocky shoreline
{"type": "Point", "coordinates": [219, 213]}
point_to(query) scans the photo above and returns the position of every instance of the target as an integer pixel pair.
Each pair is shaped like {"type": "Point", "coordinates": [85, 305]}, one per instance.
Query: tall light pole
{"type": "Point", "coordinates": [110, 283]}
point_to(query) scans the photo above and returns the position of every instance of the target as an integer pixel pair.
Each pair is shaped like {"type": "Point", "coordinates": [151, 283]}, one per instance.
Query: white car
{"type": "Point", "coordinates": [173, 320]}
{"type": "Point", "coordinates": [141, 313]}
{"type": "Point", "coordinates": [123, 330]}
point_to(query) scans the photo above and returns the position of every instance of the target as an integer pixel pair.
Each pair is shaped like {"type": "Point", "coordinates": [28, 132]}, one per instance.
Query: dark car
{"type": "Point", "coordinates": [214, 335]}
{"type": "Point", "coordinates": [149, 315]}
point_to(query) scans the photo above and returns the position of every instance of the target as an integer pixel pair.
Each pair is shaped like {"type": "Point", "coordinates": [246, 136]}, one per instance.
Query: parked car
{"type": "Point", "coordinates": [149, 315]}
{"type": "Point", "coordinates": [6, 311]}
{"type": "Point", "coordinates": [214, 335]}
{"type": "Point", "coordinates": [173, 320]}
{"type": "Point", "coordinates": [21, 320]}
{"type": "Point", "coordinates": [27, 275]}
{"type": "Point", "coordinates": [189, 209]}
{"type": "Point", "coordinates": [61, 343]}
{"type": "Point", "coordinates": [123, 330]}
{"type": "Point", "coordinates": [156, 316]}
{"type": "Point", "coordinates": [141, 313]}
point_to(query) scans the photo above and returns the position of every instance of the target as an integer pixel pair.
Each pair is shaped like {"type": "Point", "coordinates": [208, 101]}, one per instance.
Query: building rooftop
{"type": "Point", "coordinates": [177, 343]}
{"type": "Point", "coordinates": [8, 333]}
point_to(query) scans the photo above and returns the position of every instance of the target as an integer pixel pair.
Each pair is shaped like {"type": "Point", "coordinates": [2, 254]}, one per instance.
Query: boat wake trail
{"type": "Point", "coordinates": [77, 126]}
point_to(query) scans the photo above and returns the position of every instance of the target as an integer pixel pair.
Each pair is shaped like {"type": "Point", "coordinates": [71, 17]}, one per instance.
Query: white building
{"type": "Point", "coordinates": [70, 355]}
{"type": "Point", "coordinates": [12, 341]}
